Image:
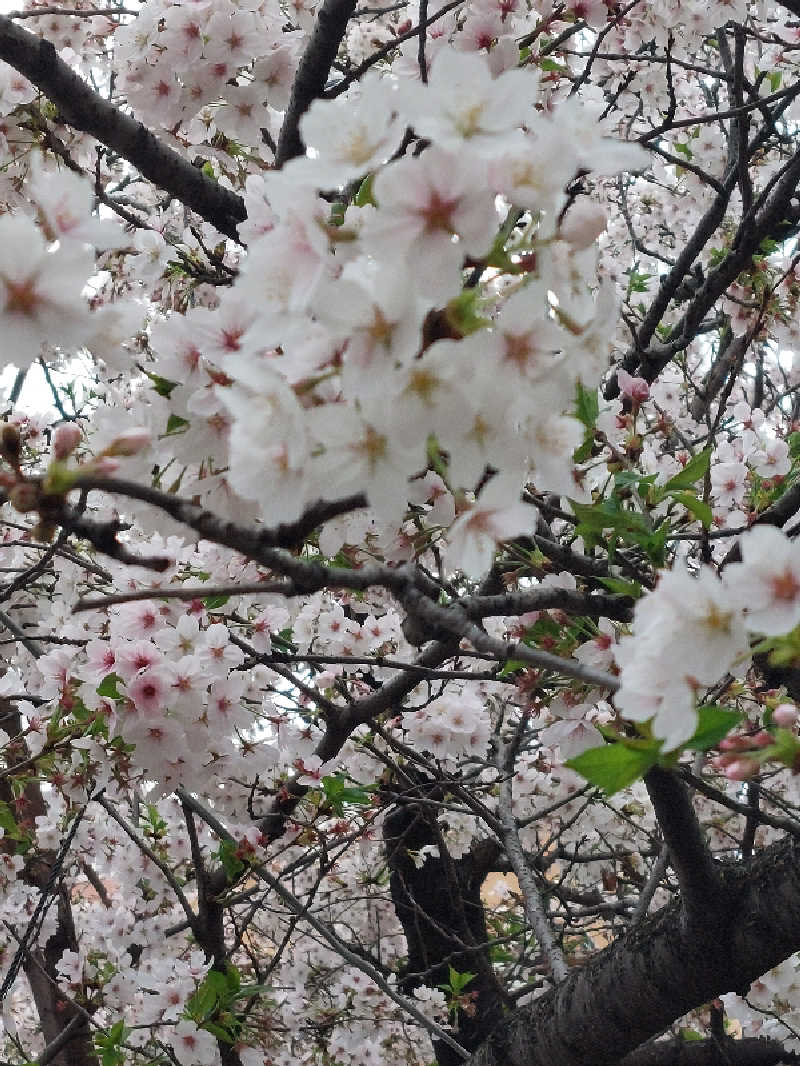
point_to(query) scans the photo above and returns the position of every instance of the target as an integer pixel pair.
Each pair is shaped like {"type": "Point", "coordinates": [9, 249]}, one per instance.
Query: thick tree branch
{"type": "Point", "coordinates": [84, 109]}
{"type": "Point", "coordinates": [690, 858]}
{"type": "Point", "coordinates": [752, 1051]}
{"type": "Point", "coordinates": [642, 983]}
{"type": "Point", "coordinates": [439, 907]}
{"type": "Point", "coordinates": [312, 73]}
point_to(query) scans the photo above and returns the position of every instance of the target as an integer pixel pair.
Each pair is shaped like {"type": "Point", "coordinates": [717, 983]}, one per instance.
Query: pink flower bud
{"type": "Point", "coordinates": [763, 739]}
{"type": "Point", "coordinates": [584, 223]}
{"type": "Point", "coordinates": [785, 715]}
{"type": "Point", "coordinates": [636, 388]}
{"type": "Point", "coordinates": [720, 762]}
{"type": "Point", "coordinates": [735, 744]}
{"type": "Point", "coordinates": [105, 467]}
{"type": "Point", "coordinates": [24, 497]}
{"type": "Point", "coordinates": [66, 439]}
{"type": "Point", "coordinates": [131, 442]}
{"type": "Point", "coordinates": [741, 769]}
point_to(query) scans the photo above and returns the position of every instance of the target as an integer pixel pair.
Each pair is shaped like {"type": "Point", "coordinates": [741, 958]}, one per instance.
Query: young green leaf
{"type": "Point", "coordinates": [613, 767]}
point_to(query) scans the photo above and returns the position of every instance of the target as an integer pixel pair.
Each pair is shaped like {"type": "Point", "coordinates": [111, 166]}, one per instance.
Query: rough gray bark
{"type": "Point", "coordinates": [80, 107]}
{"type": "Point", "coordinates": [664, 968]}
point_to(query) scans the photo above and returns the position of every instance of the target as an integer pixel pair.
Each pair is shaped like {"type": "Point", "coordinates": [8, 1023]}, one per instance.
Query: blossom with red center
{"type": "Point", "coordinates": [149, 691]}
{"type": "Point", "coordinates": [40, 291]}
{"type": "Point", "coordinates": [766, 584]}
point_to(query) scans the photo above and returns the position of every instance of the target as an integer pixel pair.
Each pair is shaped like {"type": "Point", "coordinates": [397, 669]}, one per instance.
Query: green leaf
{"type": "Point", "coordinates": [613, 767]}
{"type": "Point", "coordinates": [713, 723]}
{"type": "Point", "coordinates": [117, 1031]}
{"type": "Point", "coordinates": [234, 978]}
{"type": "Point", "coordinates": [694, 471]}
{"type": "Point", "coordinates": [625, 479]}
{"type": "Point", "coordinates": [7, 822]}
{"type": "Point", "coordinates": [219, 1032]}
{"type": "Point", "coordinates": [587, 405]}
{"type": "Point", "coordinates": [510, 666]}
{"type": "Point", "coordinates": [175, 424]}
{"type": "Point", "coordinates": [108, 687]}
{"type": "Point", "coordinates": [457, 982]}
{"type": "Point", "coordinates": [163, 386]}
{"type": "Point", "coordinates": [213, 603]}
{"type": "Point", "coordinates": [211, 994]}
{"type": "Point", "coordinates": [231, 863]}
{"type": "Point", "coordinates": [699, 508]}
{"type": "Point", "coordinates": [108, 1044]}
{"type": "Point", "coordinates": [689, 1036]}
{"type": "Point", "coordinates": [338, 794]}
{"type": "Point", "coordinates": [364, 196]}
{"type": "Point", "coordinates": [785, 749]}
{"type": "Point", "coordinates": [622, 588]}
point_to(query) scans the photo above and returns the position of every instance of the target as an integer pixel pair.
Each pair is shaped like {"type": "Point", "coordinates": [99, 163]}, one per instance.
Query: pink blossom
{"type": "Point", "coordinates": [149, 691]}
{"type": "Point", "coordinates": [636, 388]}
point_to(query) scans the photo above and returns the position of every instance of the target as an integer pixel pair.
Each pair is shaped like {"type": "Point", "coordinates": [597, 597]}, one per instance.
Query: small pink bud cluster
{"type": "Point", "coordinates": [742, 756]}
{"type": "Point", "coordinates": [739, 761]}
{"type": "Point", "coordinates": [131, 442]}
{"type": "Point", "coordinates": [636, 389]}
{"type": "Point", "coordinates": [66, 439]}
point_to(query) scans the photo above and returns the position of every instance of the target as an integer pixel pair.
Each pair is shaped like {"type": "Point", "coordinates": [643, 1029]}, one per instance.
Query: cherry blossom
{"type": "Point", "coordinates": [40, 290]}
{"type": "Point", "coordinates": [766, 584]}
{"type": "Point", "coordinates": [402, 427]}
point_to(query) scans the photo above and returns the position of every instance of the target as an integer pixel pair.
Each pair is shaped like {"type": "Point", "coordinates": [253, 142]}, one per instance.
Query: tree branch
{"type": "Point", "coordinates": [643, 982]}
{"type": "Point", "coordinates": [84, 109]}
{"type": "Point", "coordinates": [752, 1051]}
{"type": "Point", "coordinates": [690, 858]}
{"type": "Point", "coordinates": [312, 73]}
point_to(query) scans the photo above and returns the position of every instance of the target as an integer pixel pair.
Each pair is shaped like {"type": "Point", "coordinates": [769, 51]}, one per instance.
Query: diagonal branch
{"type": "Point", "coordinates": [534, 906]}
{"type": "Point", "coordinates": [309, 82]}
{"type": "Point", "coordinates": [634, 989]}
{"type": "Point", "coordinates": [84, 109]}
{"type": "Point", "coordinates": [689, 855]}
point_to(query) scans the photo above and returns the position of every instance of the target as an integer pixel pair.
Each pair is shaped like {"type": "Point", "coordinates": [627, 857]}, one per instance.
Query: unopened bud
{"type": "Point", "coordinates": [763, 739]}
{"type": "Point", "coordinates": [66, 439]}
{"type": "Point", "coordinates": [636, 388]}
{"type": "Point", "coordinates": [735, 744]}
{"type": "Point", "coordinates": [742, 769]}
{"type": "Point", "coordinates": [720, 762]}
{"type": "Point", "coordinates": [24, 497]}
{"type": "Point", "coordinates": [11, 444]}
{"type": "Point", "coordinates": [131, 442]}
{"type": "Point", "coordinates": [105, 466]}
{"type": "Point", "coordinates": [785, 715]}
{"type": "Point", "coordinates": [583, 224]}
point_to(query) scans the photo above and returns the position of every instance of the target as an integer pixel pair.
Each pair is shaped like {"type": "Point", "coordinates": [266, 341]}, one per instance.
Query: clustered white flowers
{"type": "Point", "coordinates": [329, 377]}
{"type": "Point", "coordinates": [692, 630]}
{"type": "Point", "coordinates": [418, 348]}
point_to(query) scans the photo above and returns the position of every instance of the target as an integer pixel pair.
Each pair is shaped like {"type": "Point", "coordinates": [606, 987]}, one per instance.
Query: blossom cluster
{"type": "Point", "coordinates": [692, 630]}
{"type": "Point", "coordinates": [418, 319]}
